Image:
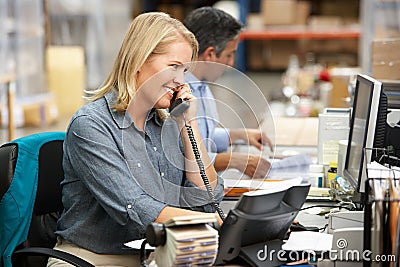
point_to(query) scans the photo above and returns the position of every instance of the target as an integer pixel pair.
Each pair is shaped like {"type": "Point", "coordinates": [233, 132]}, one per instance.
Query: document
{"type": "Point", "coordinates": [307, 240]}
{"type": "Point", "coordinates": [286, 168]}
{"type": "Point", "coordinates": [290, 167]}
{"type": "Point", "coordinates": [262, 184]}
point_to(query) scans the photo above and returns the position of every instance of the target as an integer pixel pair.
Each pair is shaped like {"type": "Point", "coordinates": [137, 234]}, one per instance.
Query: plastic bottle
{"type": "Point", "coordinates": [316, 175]}
{"type": "Point", "coordinates": [331, 175]}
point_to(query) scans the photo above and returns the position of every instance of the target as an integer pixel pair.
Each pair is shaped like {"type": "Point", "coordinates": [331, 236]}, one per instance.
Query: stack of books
{"type": "Point", "coordinates": [190, 241]}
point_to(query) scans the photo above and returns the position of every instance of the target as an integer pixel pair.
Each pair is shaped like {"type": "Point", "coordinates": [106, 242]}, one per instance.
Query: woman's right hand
{"type": "Point", "coordinates": [184, 92]}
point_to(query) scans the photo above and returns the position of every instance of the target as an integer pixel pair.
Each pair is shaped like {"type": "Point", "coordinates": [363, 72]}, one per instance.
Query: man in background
{"type": "Point", "coordinates": [218, 35]}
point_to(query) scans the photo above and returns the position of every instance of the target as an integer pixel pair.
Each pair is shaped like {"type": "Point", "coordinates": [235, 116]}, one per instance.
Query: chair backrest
{"type": "Point", "coordinates": [30, 192]}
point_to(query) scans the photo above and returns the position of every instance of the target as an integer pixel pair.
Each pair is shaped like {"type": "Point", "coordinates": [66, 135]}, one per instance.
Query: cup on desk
{"type": "Point", "coordinates": [342, 156]}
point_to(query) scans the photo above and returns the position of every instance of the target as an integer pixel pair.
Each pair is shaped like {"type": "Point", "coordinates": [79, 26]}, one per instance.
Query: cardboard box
{"type": "Point", "coordinates": [256, 54]}
{"type": "Point", "coordinates": [303, 10]}
{"type": "Point", "coordinates": [175, 10]}
{"type": "Point", "coordinates": [66, 77]}
{"type": "Point", "coordinates": [345, 8]}
{"type": "Point", "coordinates": [278, 12]}
{"type": "Point", "coordinates": [386, 59]}
{"type": "Point", "coordinates": [39, 110]}
{"type": "Point", "coordinates": [340, 79]}
{"type": "Point", "coordinates": [255, 21]}
{"type": "Point", "coordinates": [324, 22]}
{"type": "Point", "coordinates": [279, 52]}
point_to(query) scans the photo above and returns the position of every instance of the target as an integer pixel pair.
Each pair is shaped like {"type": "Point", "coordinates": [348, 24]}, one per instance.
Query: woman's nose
{"type": "Point", "coordinates": [180, 77]}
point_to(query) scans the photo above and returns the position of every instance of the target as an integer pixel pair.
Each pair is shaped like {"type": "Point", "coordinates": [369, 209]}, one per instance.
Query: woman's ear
{"type": "Point", "coordinates": [209, 54]}
{"type": "Point", "coordinates": [137, 79]}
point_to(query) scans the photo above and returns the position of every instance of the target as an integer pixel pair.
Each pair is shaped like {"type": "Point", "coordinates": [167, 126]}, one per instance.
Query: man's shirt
{"type": "Point", "coordinates": [216, 138]}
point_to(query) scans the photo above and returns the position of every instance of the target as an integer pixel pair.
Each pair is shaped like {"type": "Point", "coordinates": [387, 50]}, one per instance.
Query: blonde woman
{"type": "Point", "coordinates": [126, 162]}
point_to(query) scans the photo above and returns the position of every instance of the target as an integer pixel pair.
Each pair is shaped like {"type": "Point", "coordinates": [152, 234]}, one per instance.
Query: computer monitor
{"type": "Point", "coordinates": [392, 90]}
{"type": "Point", "coordinates": [367, 130]}
{"type": "Point", "coordinates": [259, 218]}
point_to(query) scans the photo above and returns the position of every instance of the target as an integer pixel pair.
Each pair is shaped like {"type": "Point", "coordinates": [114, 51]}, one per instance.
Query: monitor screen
{"type": "Point", "coordinates": [258, 217]}
{"type": "Point", "coordinates": [364, 133]}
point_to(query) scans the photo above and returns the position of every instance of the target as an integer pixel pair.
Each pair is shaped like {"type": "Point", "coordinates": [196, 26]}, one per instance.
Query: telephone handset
{"type": "Point", "coordinates": [176, 109]}
{"type": "Point", "coordinates": [178, 106]}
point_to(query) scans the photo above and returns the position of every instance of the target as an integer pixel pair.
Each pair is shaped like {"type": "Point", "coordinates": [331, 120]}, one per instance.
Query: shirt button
{"type": "Point", "coordinates": [162, 174]}
{"type": "Point", "coordinates": [129, 206]}
{"type": "Point", "coordinates": [139, 164]}
{"type": "Point", "coordinates": [155, 148]}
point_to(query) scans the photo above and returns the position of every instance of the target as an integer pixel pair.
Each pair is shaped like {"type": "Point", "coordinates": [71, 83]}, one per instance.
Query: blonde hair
{"type": "Point", "coordinates": [149, 34]}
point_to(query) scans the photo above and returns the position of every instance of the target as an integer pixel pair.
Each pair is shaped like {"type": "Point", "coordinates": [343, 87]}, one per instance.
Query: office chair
{"type": "Point", "coordinates": [30, 200]}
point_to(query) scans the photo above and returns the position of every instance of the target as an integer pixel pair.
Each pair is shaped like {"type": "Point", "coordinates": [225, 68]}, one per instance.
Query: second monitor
{"type": "Point", "coordinates": [367, 130]}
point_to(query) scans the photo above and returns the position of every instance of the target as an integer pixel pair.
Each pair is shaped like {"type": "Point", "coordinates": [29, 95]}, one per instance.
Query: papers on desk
{"type": "Point", "coordinates": [262, 184]}
{"type": "Point", "coordinates": [281, 169]}
{"type": "Point", "coordinates": [290, 167]}
{"type": "Point", "coordinates": [284, 174]}
{"type": "Point", "coordinates": [308, 240]}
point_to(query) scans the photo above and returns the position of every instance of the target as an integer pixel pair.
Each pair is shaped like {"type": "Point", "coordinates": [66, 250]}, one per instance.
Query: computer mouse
{"type": "Point", "coordinates": [299, 227]}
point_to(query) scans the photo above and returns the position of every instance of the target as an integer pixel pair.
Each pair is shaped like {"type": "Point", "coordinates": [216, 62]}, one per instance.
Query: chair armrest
{"type": "Point", "coordinates": [58, 254]}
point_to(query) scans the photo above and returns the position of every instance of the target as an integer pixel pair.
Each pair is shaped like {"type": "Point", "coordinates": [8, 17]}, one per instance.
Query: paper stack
{"type": "Point", "coordinates": [190, 241]}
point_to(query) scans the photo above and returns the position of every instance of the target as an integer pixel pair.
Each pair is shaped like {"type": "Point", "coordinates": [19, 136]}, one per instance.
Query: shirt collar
{"type": "Point", "coordinates": [154, 115]}
{"type": "Point", "coordinates": [194, 82]}
{"type": "Point", "coordinates": [123, 119]}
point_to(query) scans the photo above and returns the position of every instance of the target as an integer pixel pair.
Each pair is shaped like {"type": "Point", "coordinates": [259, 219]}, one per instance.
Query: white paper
{"type": "Point", "coordinates": [262, 183]}
{"type": "Point", "coordinates": [376, 170]}
{"type": "Point", "coordinates": [308, 240]}
{"type": "Point", "coordinates": [293, 161]}
{"type": "Point", "coordinates": [290, 167]}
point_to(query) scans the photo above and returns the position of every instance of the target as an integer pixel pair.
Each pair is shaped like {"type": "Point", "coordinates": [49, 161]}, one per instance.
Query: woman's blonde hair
{"type": "Point", "coordinates": [149, 34]}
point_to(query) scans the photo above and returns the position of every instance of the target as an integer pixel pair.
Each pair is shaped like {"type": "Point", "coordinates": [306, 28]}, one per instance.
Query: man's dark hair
{"type": "Point", "coordinates": [212, 27]}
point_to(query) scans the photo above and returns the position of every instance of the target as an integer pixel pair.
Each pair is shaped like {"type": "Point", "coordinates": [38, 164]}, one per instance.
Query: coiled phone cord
{"type": "Point", "coordinates": [203, 172]}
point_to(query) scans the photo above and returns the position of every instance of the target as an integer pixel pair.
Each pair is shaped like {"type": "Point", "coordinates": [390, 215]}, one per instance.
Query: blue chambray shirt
{"type": "Point", "coordinates": [118, 178]}
{"type": "Point", "coordinates": [217, 138]}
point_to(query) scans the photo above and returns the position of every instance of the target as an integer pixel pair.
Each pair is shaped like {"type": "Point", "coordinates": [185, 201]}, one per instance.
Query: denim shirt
{"type": "Point", "coordinates": [118, 178]}
{"type": "Point", "coordinates": [216, 138]}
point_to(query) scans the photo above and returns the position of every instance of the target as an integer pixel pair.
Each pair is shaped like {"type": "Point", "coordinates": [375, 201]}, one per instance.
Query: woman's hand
{"type": "Point", "coordinates": [254, 137]}
{"type": "Point", "coordinates": [185, 93]}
